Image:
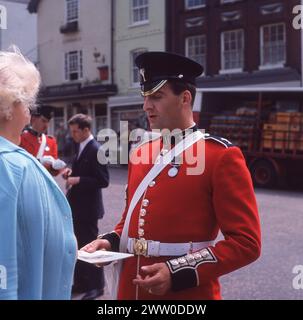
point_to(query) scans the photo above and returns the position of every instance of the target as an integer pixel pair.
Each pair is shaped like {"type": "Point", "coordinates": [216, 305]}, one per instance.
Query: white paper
{"type": "Point", "coordinates": [102, 256]}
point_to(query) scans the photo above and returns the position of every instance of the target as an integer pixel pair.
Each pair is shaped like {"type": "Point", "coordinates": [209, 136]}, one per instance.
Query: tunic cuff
{"type": "Point", "coordinates": [113, 238]}
{"type": "Point", "coordinates": [183, 270]}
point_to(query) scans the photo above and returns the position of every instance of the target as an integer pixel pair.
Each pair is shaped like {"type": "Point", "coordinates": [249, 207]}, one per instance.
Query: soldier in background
{"type": "Point", "coordinates": [37, 142]}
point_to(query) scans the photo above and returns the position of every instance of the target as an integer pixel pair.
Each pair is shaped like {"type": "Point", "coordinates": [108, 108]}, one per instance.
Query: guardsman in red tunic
{"type": "Point", "coordinates": [35, 140]}
{"type": "Point", "coordinates": [174, 212]}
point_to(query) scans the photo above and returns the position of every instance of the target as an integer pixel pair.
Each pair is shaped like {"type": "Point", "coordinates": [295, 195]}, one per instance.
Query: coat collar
{"type": "Point", "coordinates": [84, 151]}
{"type": "Point", "coordinates": [7, 146]}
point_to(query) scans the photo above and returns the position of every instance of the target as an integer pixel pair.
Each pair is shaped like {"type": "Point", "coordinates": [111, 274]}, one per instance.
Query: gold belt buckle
{"type": "Point", "coordinates": [140, 247]}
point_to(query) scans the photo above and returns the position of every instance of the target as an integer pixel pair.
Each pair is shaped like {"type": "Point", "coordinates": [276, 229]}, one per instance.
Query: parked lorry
{"type": "Point", "coordinates": [267, 126]}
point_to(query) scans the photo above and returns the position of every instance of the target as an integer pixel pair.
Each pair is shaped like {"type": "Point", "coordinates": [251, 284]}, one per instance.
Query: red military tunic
{"type": "Point", "coordinates": [193, 208]}
{"type": "Point", "coordinates": [31, 141]}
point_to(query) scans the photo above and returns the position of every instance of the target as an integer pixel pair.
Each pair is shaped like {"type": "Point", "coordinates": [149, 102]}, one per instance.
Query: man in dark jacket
{"type": "Point", "coordinates": [84, 183]}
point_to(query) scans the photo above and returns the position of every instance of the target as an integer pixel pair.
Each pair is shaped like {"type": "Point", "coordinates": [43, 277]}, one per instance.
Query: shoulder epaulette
{"type": "Point", "coordinates": [226, 143]}
{"type": "Point", "coordinates": [31, 131]}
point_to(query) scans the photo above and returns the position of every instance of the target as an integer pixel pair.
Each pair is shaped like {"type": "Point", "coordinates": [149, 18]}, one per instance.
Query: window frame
{"type": "Point", "coordinates": [133, 67]}
{"type": "Point", "coordinates": [67, 20]}
{"type": "Point", "coordinates": [203, 37]}
{"type": "Point", "coordinates": [67, 66]}
{"type": "Point", "coordinates": [223, 70]}
{"type": "Point", "coordinates": [132, 9]}
{"type": "Point", "coordinates": [272, 65]}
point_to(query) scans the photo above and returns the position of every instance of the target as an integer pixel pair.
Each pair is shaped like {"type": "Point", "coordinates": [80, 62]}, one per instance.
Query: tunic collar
{"type": "Point", "coordinates": [172, 138]}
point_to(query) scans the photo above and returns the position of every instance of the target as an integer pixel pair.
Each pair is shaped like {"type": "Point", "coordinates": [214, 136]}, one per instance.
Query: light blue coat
{"type": "Point", "coordinates": [37, 243]}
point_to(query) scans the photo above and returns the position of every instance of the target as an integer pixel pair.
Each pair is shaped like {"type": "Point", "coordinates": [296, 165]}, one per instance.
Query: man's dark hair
{"type": "Point", "coordinates": [82, 120]}
{"type": "Point", "coordinates": [178, 87]}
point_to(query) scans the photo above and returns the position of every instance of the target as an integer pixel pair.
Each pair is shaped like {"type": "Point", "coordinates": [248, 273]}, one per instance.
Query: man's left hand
{"type": "Point", "coordinates": [155, 279]}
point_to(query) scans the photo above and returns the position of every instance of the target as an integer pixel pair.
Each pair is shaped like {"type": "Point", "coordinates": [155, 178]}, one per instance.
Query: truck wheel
{"type": "Point", "coordinates": [263, 174]}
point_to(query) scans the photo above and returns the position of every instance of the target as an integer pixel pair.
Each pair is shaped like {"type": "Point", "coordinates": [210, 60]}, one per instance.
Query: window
{"type": "Point", "coordinates": [73, 66]}
{"type": "Point", "coordinates": [232, 50]}
{"type": "Point", "coordinates": [3, 18]}
{"type": "Point", "coordinates": [72, 10]}
{"type": "Point", "coordinates": [196, 49]}
{"type": "Point", "coordinates": [135, 75]}
{"type": "Point", "coordinates": [194, 4]}
{"type": "Point", "coordinates": [229, 1]}
{"type": "Point", "coordinates": [139, 11]}
{"type": "Point", "coordinates": [273, 45]}
{"type": "Point", "coordinates": [100, 116]}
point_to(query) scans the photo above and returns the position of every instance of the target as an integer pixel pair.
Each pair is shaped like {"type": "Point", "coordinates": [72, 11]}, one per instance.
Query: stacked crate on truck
{"type": "Point", "coordinates": [283, 133]}
{"type": "Point", "coordinates": [238, 127]}
{"type": "Point", "coordinates": [272, 144]}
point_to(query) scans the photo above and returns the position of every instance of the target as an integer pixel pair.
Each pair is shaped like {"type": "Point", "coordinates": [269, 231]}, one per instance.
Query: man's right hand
{"type": "Point", "coordinates": [98, 244]}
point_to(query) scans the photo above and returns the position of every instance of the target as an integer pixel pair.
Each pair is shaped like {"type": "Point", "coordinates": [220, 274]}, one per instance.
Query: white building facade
{"type": "Point", "coordinates": [139, 26]}
{"type": "Point", "coordinates": [75, 58]}
{"type": "Point", "coordinates": [18, 27]}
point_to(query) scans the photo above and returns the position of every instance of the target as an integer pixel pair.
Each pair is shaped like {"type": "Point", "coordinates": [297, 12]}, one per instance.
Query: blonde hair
{"type": "Point", "coordinates": [19, 81]}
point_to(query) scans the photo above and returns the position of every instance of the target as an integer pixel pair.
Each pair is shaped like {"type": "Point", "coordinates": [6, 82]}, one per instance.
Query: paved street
{"type": "Point", "coordinates": [271, 276]}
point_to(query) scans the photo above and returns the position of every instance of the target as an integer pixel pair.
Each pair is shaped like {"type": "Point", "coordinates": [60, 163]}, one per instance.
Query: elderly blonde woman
{"type": "Point", "coordinates": [37, 243]}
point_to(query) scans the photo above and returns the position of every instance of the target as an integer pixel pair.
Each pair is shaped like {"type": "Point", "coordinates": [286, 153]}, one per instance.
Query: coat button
{"type": "Point", "coordinates": [197, 256]}
{"type": "Point", "coordinates": [142, 213]}
{"type": "Point", "coordinates": [182, 260]}
{"type": "Point", "coordinates": [174, 262]}
{"type": "Point", "coordinates": [145, 203]}
{"type": "Point", "coordinates": [152, 184]}
{"type": "Point", "coordinates": [190, 258]}
{"type": "Point", "coordinates": [204, 253]}
{"type": "Point", "coordinates": [141, 232]}
{"type": "Point", "coordinates": [141, 222]}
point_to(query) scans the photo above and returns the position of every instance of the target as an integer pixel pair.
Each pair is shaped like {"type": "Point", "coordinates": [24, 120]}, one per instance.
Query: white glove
{"type": "Point", "coordinates": [56, 164]}
{"type": "Point", "coordinates": [47, 160]}
{"type": "Point", "coordinates": [59, 164]}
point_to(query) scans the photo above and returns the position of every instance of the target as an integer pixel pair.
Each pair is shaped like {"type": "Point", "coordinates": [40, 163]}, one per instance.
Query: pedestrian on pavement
{"type": "Point", "coordinates": [37, 243]}
{"type": "Point", "coordinates": [173, 215]}
{"type": "Point", "coordinates": [85, 182]}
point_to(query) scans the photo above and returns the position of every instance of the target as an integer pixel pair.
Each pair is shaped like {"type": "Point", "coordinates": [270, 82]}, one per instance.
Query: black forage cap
{"type": "Point", "coordinates": [158, 67]}
{"type": "Point", "coordinates": [45, 111]}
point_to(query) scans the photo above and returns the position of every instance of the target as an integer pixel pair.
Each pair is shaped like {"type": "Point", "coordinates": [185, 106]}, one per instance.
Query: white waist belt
{"type": "Point", "coordinates": [157, 248]}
